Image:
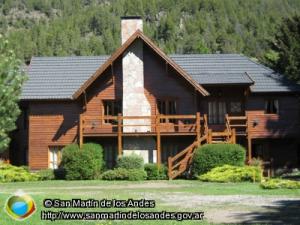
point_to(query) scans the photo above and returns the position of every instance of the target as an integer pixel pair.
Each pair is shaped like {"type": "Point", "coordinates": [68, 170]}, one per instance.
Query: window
{"type": "Point", "coordinates": [55, 154]}
{"type": "Point", "coordinates": [167, 107]}
{"type": "Point", "coordinates": [112, 108]}
{"type": "Point", "coordinates": [216, 112]}
{"type": "Point", "coordinates": [271, 106]}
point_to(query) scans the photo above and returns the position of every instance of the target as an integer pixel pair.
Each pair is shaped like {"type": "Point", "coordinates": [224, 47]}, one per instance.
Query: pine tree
{"type": "Point", "coordinates": [11, 80]}
{"type": "Point", "coordinates": [287, 45]}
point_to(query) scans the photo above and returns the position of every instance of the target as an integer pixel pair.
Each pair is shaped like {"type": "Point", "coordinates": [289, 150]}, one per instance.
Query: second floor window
{"type": "Point", "coordinates": [271, 106]}
{"type": "Point", "coordinates": [111, 108]}
{"type": "Point", "coordinates": [167, 107]}
{"type": "Point", "coordinates": [216, 112]}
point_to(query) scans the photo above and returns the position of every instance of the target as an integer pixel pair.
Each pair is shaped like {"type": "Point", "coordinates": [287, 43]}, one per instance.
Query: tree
{"type": "Point", "coordinates": [11, 80]}
{"type": "Point", "coordinates": [287, 46]}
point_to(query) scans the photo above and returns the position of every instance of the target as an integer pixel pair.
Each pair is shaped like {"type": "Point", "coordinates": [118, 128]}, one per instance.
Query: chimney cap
{"type": "Point", "coordinates": [130, 17]}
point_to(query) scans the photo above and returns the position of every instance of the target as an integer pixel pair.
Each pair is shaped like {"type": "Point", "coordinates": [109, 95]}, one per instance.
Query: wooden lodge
{"type": "Point", "coordinates": [140, 100]}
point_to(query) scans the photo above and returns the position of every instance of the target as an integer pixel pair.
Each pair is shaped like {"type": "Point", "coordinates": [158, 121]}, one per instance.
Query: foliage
{"type": "Point", "coordinates": [156, 172]}
{"type": "Point", "coordinates": [212, 155]}
{"type": "Point", "coordinates": [280, 183]}
{"type": "Point", "coordinates": [287, 47]}
{"type": "Point", "coordinates": [124, 174]}
{"type": "Point", "coordinates": [96, 151]}
{"type": "Point", "coordinates": [132, 161]}
{"type": "Point", "coordinates": [46, 174]}
{"type": "Point", "coordinates": [9, 173]}
{"type": "Point", "coordinates": [52, 28]}
{"type": "Point", "coordinates": [229, 173]}
{"type": "Point", "coordinates": [11, 80]}
{"type": "Point", "coordinates": [82, 164]}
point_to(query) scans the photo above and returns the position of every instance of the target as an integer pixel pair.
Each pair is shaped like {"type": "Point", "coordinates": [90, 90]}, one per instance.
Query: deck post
{"type": "Point", "coordinates": [80, 130]}
{"type": "Point", "coordinates": [170, 167]}
{"type": "Point", "coordinates": [233, 136]}
{"type": "Point", "coordinates": [209, 136]}
{"type": "Point", "coordinates": [198, 127]}
{"type": "Point", "coordinates": [249, 148]}
{"type": "Point", "coordinates": [119, 135]}
{"type": "Point", "coordinates": [158, 140]}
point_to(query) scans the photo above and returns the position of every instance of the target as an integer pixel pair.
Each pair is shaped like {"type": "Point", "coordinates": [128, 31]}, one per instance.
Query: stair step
{"type": "Point", "coordinates": [217, 142]}
{"type": "Point", "coordinates": [238, 125]}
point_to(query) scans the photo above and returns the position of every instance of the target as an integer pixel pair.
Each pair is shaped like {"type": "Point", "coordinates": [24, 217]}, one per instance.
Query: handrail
{"type": "Point", "coordinates": [180, 123]}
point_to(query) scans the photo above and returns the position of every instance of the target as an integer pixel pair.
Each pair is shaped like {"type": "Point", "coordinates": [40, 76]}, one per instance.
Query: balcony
{"type": "Point", "coordinates": [142, 125]}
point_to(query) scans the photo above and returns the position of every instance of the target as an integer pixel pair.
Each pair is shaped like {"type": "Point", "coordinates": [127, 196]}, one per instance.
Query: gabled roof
{"type": "Point", "coordinates": [138, 35]}
{"type": "Point", "coordinates": [61, 77]}
{"type": "Point", "coordinates": [216, 69]}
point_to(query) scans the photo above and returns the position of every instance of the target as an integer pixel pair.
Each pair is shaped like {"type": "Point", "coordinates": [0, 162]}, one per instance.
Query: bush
{"type": "Point", "coordinates": [280, 183]}
{"type": "Point", "coordinates": [47, 174]}
{"type": "Point", "coordinates": [124, 174]}
{"type": "Point", "coordinates": [155, 172]}
{"type": "Point", "coordinates": [9, 173]}
{"type": "Point", "coordinates": [229, 173]}
{"type": "Point", "coordinates": [82, 164]}
{"type": "Point", "coordinates": [210, 156]}
{"type": "Point", "coordinates": [132, 161]}
{"type": "Point", "coordinates": [96, 151]}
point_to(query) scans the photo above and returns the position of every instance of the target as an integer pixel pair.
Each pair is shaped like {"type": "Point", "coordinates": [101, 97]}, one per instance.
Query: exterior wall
{"type": "Point", "coordinates": [163, 82]}
{"type": "Point", "coordinates": [284, 124]}
{"type": "Point", "coordinates": [50, 124]}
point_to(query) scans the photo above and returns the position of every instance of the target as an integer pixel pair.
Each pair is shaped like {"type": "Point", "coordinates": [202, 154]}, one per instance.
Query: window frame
{"type": "Point", "coordinates": [275, 102]}
{"type": "Point", "coordinates": [217, 116]}
{"type": "Point", "coordinates": [51, 161]}
{"type": "Point", "coordinates": [167, 110]}
{"type": "Point", "coordinates": [115, 101]}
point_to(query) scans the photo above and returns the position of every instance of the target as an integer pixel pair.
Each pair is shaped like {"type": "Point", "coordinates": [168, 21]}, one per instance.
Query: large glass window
{"type": "Point", "coordinates": [111, 108]}
{"type": "Point", "coordinates": [216, 112]}
{"type": "Point", "coordinates": [167, 107]}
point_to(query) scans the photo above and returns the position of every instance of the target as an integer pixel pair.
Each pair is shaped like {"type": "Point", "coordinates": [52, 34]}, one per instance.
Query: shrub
{"type": "Point", "coordinates": [47, 174]}
{"type": "Point", "coordinates": [124, 174]}
{"type": "Point", "coordinates": [280, 183]}
{"type": "Point", "coordinates": [96, 151]}
{"type": "Point", "coordinates": [256, 162]}
{"type": "Point", "coordinates": [212, 155]}
{"type": "Point", "coordinates": [132, 161]}
{"type": "Point", "coordinates": [9, 173]}
{"type": "Point", "coordinates": [82, 164]}
{"type": "Point", "coordinates": [229, 173]}
{"type": "Point", "coordinates": [155, 172]}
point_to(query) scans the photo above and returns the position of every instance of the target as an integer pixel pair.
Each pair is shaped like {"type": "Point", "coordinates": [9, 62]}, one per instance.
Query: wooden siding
{"type": "Point", "coordinates": [285, 123]}
{"type": "Point", "coordinates": [50, 123]}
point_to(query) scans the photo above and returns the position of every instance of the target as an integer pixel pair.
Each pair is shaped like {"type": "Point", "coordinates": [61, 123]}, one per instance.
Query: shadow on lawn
{"type": "Point", "coordinates": [284, 212]}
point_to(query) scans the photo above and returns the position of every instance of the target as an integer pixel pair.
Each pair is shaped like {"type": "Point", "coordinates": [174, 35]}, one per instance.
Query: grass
{"type": "Point", "coordinates": [124, 190]}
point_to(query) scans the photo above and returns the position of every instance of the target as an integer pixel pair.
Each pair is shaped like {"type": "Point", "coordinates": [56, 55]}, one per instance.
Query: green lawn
{"type": "Point", "coordinates": [167, 195]}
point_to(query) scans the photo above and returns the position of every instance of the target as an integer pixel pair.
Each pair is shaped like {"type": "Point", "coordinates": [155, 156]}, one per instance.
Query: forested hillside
{"type": "Point", "coordinates": [92, 27]}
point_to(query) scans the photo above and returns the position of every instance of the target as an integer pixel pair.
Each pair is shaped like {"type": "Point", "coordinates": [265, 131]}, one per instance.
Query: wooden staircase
{"type": "Point", "coordinates": [235, 126]}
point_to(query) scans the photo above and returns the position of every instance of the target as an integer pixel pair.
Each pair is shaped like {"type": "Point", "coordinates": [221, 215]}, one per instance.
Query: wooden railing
{"type": "Point", "coordinates": [141, 124]}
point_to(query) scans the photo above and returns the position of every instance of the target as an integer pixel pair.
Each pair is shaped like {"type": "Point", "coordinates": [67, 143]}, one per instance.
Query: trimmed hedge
{"type": "Point", "coordinates": [280, 183]}
{"type": "Point", "coordinates": [124, 174]}
{"type": "Point", "coordinates": [132, 161]}
{"type": "Point", "coordinates": [229, 173]}
{"type": "Point", "coordinates": [82, 164]}
{"type": "Point", "coordinates": [210, 156]}
{"type": "Point", "coordinates": [9, 173]}
{"type": "Point", "coordinates": [155, 172]}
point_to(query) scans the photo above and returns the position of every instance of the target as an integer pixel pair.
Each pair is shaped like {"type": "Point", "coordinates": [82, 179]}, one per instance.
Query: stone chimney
{"type": "Point", "coordinates": [135, 103]}
{"type": "Point", "coordinates": [129, 25]}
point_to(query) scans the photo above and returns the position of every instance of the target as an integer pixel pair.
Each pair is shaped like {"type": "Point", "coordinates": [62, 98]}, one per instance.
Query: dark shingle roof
{"type": "Point", "coordinates": [232, 69]}
{"type": "Point", "coordinates": [61, 77]}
